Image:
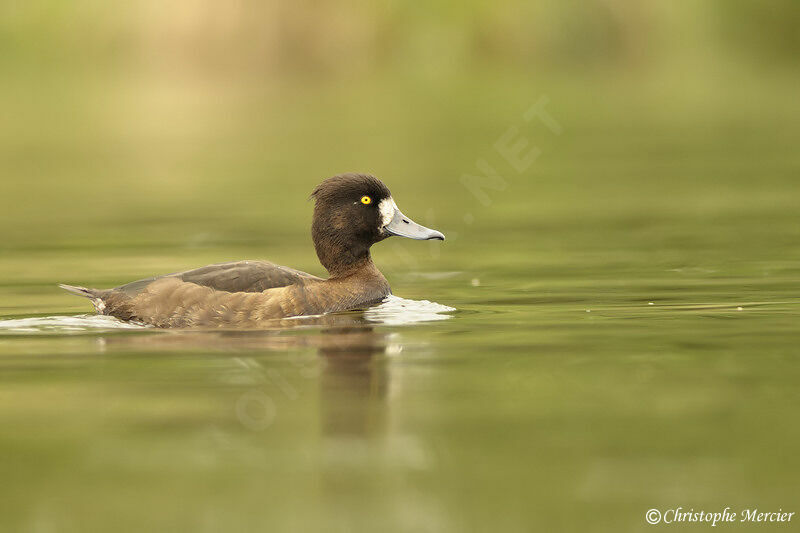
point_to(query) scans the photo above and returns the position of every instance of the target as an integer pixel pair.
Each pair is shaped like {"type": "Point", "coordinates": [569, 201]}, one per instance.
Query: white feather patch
{"type": "Point", "coordinates": [386, 208]}
{"type": "Point", "coordinates": [99, 305]}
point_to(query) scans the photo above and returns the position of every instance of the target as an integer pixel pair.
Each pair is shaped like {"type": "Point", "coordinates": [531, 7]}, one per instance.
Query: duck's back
{"type": "Point", "coordinates": [237, 276]}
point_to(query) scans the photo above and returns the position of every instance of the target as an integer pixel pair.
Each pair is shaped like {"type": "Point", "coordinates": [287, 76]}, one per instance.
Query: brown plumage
{"type": "Point", "coordinates": [351, 213]}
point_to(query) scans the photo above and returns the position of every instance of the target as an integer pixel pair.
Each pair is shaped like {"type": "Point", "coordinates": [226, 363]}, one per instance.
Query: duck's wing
{"type": "Point", "coordinates": [238, 276]}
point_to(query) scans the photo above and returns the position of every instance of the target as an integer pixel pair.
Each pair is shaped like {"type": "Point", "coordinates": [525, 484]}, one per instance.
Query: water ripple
{"type": "Point", "coordinates": [64, 324]}
{"type": "Point", "coordinates": [393, 311]}
{"type": "Point", "coordinates": [396, 311]}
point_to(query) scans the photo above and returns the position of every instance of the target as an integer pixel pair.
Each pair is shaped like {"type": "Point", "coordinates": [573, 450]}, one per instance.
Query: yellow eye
{"type": "Point", "coordinates": [366, 200]}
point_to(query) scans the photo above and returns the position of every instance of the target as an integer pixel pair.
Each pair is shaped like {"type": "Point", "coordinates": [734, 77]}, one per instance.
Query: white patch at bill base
{"type": "Point", "coordinates": [387, 208]}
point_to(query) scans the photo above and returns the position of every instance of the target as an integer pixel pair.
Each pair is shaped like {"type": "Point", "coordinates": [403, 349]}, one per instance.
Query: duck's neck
{"type": "Point", "coordinates": [343, 260]}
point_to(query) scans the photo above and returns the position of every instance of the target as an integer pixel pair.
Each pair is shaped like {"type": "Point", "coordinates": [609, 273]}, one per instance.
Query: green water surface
{"type": "Point", "coordinates": [625, 333]}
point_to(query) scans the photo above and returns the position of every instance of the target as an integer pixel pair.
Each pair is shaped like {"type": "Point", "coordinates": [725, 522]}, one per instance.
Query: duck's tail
{"type": "Point", "coordinates": [79, 291]}
{"type": "Point", "coordinates": [95, 295]}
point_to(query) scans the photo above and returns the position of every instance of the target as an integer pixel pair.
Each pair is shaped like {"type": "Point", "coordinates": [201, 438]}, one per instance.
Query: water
{"type": "Point", "coordinates": [615, 331]}
{"type": "Point", "coordinates": [608, 395]}
{"type": "Point", "coordinates": [62, 325]}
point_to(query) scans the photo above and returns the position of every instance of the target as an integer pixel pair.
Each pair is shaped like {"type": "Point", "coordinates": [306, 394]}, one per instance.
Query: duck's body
{"type": "Point", "coordinates": [239, 294]}
{"type": "Point", "coordinates": [352, 212]}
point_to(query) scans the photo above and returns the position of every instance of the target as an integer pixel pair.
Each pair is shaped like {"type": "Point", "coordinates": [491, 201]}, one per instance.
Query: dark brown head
{"type": "Point", "coordinates": [352, 212]}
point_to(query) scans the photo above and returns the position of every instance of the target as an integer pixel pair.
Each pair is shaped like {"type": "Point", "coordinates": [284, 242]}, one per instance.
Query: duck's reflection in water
{"type": "Point", "coordinates": [351, 371]}
{"type": "Point", "coordinates": [353, 382]}
{"type": "Point", "coordinates": [344, 394]}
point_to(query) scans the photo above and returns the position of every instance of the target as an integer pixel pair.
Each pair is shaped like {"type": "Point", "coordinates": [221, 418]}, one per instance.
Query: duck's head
{"type": "Point", "coordinates": [351, 213]}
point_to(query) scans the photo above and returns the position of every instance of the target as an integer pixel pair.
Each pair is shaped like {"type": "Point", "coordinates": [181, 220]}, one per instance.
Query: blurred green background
{"type": "Point", "coordinates": [146, 137]}
{"type": "Point", "coordinates": [167, 127]}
